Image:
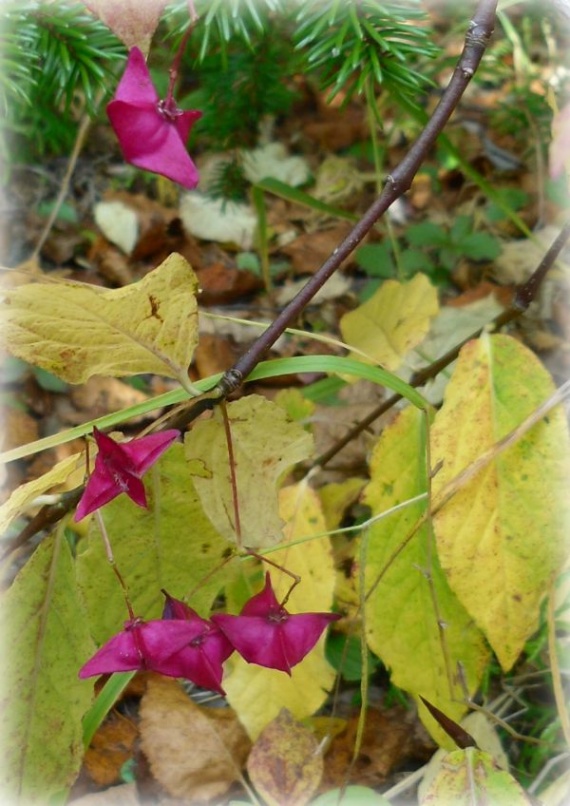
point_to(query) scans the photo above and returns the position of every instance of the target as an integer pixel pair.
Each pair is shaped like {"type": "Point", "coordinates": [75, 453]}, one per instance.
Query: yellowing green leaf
{"type": "Point", "coordinates": [23, 496]}
{"type": "Point", "coordinates": [75, 330]}
{"type": "Point", "coordinates": [337, 497]}
{"type": "Point", "coordinates": [471, 777]}
{"type": "Point", "coordinates": [392, 321]}
{"type": "Point", "coordinates": [503, 535]}
{"type": "Point", "coordinates": [258, 694]}
{"type": "Point", "coordinates": [414, 622]}
{"type": "Point", "coordinates": [265, 446]}
{"type": "Point", "coordinates": [486, 737]}
{"type": "Point", "coordinates": [43, 619]}
{"type": "Point", "coordinates": [170, 545]}
{"type": "Point", "coordinates": [285, 765]}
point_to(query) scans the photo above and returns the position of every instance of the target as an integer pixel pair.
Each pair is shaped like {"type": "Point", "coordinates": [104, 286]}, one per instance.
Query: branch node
{"type": "Point", "coordinates": [230, 381]}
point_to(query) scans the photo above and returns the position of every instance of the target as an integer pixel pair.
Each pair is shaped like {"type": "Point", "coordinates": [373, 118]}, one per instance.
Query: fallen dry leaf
{"type": "Point", "coordinates": [100, 395]}
{"type": "Point", "coordinates": [214, 353]}
{"type": "Point", "coordinates": [111, 746]}
{"type": "Point", "coordinates": [391, 738]}
{"type": "Point", "coordinates": [118, 223]}
{"type": "Point", "coordinates": [194, 752]}
{"type": "Point", "coordinates": [310, 250]}
{"type": "Point", "coordinates": [285, 764]}
{"type": "Point", "coordinates": [124, 795]}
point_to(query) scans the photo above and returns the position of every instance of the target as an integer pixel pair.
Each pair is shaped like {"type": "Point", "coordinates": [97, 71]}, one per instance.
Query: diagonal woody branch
{"type": "Point", "coordinates": [476, 40]}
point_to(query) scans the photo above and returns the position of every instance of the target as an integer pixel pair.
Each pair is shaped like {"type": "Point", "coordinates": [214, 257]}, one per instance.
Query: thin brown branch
{"type": "Point", "coordinates": [476, 40]}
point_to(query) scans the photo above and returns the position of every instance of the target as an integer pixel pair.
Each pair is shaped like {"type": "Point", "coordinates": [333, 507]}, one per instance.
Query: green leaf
{"type": "Point", "coordinates": [170, 545]}
{"type": "Point", "coordinates": [265, 446]}
{"type": "Point", "coordinates": [461, 228]}
{"type": "Point", "coordinates": [481, 246]}
{"type": "Point", "coordinates": [414, 622]}
{"type": "Point", "coordinates": [376, 259]}
{"type": "Point", "coordinates": [413, 261]}
{"type": "Point", "coordinates": [351, 796]}
{"type": "Point", "coordinates": [427, 234]}
{"type": "Point", "coordinates": [515, 198]}
{"type": "Point", "coordinates": [297, 196]}
{"type": "Point", "coordinates": [503, 535]}
{"type": "Point", "coordinates": [22, 497]}
{"type": "Point", "coordinates": [344, 653]}
{"type": "Point", "coordinates": [46, 639]}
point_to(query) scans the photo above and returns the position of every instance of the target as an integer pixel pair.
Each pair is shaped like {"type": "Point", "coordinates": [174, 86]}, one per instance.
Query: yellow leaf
{"type": "Point", "coordinates": [336, 497]}
{"type": "Point", "coordinates": [258, 694]}
{"type": "Point", "coordinates": [395, 319]}
{"type": "Point", "coordinates": [265, 446]}
{"type": "Point", "coordinates": [76, 330]}
{"type": "Point", "coordinates": [285, 765]}
{"type": "Point", "coordinates": [23, 496]}
{"type": "Point", "coordinates": [503, 535]}
{"type": "Point", "coordinates": [414, 622]}
{"type": "Point", "coordinates": [471, 777]}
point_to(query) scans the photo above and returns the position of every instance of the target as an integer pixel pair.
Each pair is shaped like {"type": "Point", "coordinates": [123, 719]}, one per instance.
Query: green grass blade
{"type": "Point", "coordinates": [103, 703]}
{"type": "Point", "coordinates": [327, 364]}
{"type": "Point", "coordinates": [285, 191]}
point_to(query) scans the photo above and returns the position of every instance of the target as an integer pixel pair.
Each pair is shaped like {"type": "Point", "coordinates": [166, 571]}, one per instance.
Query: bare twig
{"type": "Point", "coordinates": [476, 40]}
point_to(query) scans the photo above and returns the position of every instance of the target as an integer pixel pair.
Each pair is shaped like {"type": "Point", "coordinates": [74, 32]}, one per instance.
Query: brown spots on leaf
{"type": "Point", "coordinates": [154, 308]}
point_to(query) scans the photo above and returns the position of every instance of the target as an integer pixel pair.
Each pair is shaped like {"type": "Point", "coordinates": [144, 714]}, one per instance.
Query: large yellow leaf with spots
{"type": "Point", "coordinates": [504, 534]}
{"type": "Point", "coordinates": [414, 622]}
{"type": "Point", "coordinates": [75, 330]}
{"type": "Point", "coordinates": [393, 321]}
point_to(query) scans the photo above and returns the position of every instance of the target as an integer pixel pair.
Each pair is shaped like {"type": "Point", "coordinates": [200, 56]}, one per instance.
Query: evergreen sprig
{"type": "Point", "coordinates": [241, 83]}
{"type": "Point", "coordinates": [351, 43]}
{"type": "Point", "coordinates": [51, 54]}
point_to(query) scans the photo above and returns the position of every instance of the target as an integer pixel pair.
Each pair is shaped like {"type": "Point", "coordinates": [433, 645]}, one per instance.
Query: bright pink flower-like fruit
{"type": "Point", "coordinates": [267, 634]}
{"type": "Point", "coordinates": [201, 659]}
{"type": "Point", "coordinates": [150, 645]}
{"type": "Point", "coordinates": [152, 133]}
{"type": "Point", "coordinates": [119, 467]}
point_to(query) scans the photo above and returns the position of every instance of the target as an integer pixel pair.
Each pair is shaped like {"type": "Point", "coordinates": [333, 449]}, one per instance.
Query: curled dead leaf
{"type": "Point", "coordinates": [194, 752]}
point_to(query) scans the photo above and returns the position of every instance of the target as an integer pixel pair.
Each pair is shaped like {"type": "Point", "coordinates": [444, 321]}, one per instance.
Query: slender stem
{"type": "Point", "coordinates": [295, 577]}
{"type": "Point", "coordinates": [80, 138]}
{"type": "Point", "coordinates": [112, 563]}
{"type": "Point", "coordinates": [232, 468]}
{"type": "Point", "coordinates": [175, 68]}
{"type": "Point", "coordinates": [559, 694]}
{"type": "Point", "coordinates": [476, 39]}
